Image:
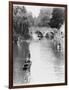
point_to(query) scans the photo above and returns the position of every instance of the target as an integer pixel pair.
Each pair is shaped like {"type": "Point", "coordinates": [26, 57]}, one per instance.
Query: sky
{"type": "Point", "coordinates": [34, 9]}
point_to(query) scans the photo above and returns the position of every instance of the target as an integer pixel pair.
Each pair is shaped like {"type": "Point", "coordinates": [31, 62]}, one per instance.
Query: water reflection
{"type": "Point", "coordinates": [21, 57]}
{"type": "Point", "coordinates": [45, 67]}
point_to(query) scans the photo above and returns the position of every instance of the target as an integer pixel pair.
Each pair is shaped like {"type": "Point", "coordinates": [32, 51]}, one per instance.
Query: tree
{"type": "Point", "coordinates": [57, 18]}
{"type": "Point", "coordinates": [20, 22]}
{"type": "Point", "coordinates": [44, 16]}
{"type": "Point", "coordinates": [15, 10]}
{"type": "Point", "coordinates": [30, 19]}
{"type": "Point", "coordinates": [23, 9]}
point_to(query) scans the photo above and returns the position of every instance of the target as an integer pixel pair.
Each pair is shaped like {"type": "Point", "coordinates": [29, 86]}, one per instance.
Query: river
{"type": "Point", "coordinates": [46, 68]}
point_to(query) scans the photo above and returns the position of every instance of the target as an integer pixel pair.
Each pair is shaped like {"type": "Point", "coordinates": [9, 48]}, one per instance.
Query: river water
{"type": "Point", "coordinates": [46, 67]}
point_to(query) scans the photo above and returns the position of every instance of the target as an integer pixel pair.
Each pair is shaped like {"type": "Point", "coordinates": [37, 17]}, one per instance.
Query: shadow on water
{"type": "Point", "coordinates": [59, 68]}
{"type": "Point", "coordinates": [20, 54]}
{"type": "Point", "coordinates": [57, 53]}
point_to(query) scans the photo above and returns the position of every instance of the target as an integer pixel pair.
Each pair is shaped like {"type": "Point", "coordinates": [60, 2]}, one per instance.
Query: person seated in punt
{"type": "Point", "coordinates": [27, 65]}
